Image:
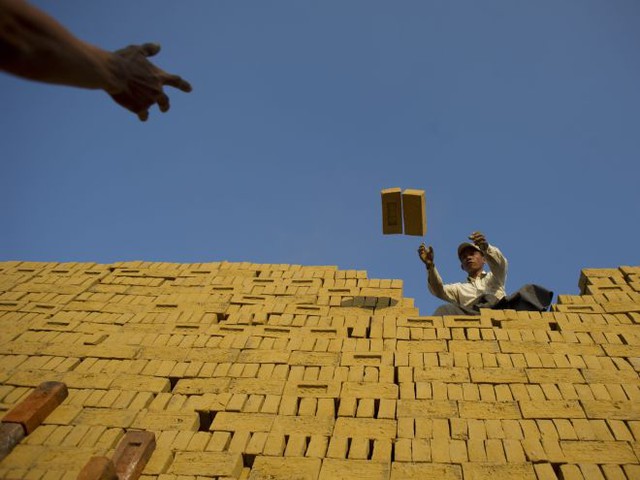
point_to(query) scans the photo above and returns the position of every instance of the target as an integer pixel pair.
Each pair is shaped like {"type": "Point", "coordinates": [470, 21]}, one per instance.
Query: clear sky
{"type": "Point", "coordinates": [518, 118]}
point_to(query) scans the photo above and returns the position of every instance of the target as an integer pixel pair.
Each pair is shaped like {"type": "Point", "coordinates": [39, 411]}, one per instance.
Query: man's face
{"type": "Point", "coordinates": [472, 261]}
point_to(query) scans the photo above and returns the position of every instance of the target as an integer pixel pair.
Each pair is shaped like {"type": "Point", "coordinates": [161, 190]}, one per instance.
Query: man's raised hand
{"type": "Point", "coordinates": [479, 240]}
{"type": "Point", "coordinates": [426, 254]}
{"type": "Point", "coordinates": [138, 83]}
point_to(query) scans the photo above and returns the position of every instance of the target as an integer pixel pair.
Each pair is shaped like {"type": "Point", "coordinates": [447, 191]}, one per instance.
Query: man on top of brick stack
{"type": "Point", "coordinates": [482, 289]}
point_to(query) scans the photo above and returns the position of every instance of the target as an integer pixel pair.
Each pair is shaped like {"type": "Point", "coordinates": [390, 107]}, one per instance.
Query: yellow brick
{"type": "Point", "coordinates": [274, 467]}
{"type": "Point", "coordinates": [598, 452]}
{"type": "Point", "coordinates": [239, 441]}
{"type": "Point", "coordinates": [317, 446]}
{"type": "Point", "coordinates": [210, 463]}
{"type": "Point", "coordinates": [66, 459]}
{"type": "Point", "coordinates": [332, 468]}
{"type": "Point", "coordinates": [427, 408]}
{"type": "Point", "coordinates": [141, 383]}
{"type": "Point", "coordinates": [391, 211]}
{"type": "Point", "coordinates": [551, 409]}
{"type": "Point", "coordinates": [63, 415]}
{"type": "Point", "coordinates": [219, 442]}
{"type": "Point", "coordinates": [416, 471]}
{"type": "Point", "coordinates": [307, 425]}
{"type": "Point", "coordinates": [257, 443]}
{"type": "Point", "coordinates": [476, 471]}
{"type": "Point", "coordinates": [166, 421]}
{"type": "Point", "coordinates": [498, 375]}
{"type": "Point", "coordinates": [275, 445]}
{"type": "Point", "coordinates": [489, 410]}
{"type": "Point", "coordinates": [195, 386]}
{"type": "Point", "coordinates": [251, 422]}
{"type": "Point", "coordinates": [39, 435]}
{"type": "Point", "coordinates": [440, 450]}
{"type": "Point", "coordinates": [367, 390]}
{"type": "Point", "coordinates": [458, 451]}
{"type": "Point", "coordinates": [312, 388]}
{"type": "Point", "coordinates": [158, 463]}
{"type": "Point", "coordinates": [414, 212]}
{"type": "Point", "coordinates": [613, 410]}
{"type": "Point", "coordinates": [359, 448]}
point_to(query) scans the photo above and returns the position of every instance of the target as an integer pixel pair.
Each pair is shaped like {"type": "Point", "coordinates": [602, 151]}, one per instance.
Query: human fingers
{"type": "Point", "coordinates": [478, 239]}
{"type": "Point", "coordinates": [149, 49]}
{"type": "Point", "coordinates": [178, 82]}
{"type": "Point", "coordinates": [163, 103]}
{"type": "Point", "coordinates": [143, 115]}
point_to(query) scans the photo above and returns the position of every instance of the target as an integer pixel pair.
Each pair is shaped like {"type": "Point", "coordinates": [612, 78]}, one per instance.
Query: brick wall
{"type": "Point", "coordinates": [285, 371]}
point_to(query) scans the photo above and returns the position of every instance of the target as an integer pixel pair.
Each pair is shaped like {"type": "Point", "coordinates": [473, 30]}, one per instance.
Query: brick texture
{"type": "Point", "coordinates": [242, 370]}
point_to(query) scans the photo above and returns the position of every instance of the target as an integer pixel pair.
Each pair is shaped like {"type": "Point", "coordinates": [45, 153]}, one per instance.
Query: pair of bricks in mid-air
{"type": "Point", "coordinates": [406, 207]}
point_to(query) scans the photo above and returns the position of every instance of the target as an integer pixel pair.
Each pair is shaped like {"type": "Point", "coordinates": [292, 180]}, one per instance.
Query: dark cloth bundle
{"type": "Point", "coordinates": [532, 298]}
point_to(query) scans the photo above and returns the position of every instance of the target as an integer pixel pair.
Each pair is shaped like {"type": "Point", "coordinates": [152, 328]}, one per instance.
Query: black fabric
{"type": "Point", "coordinates": [453, 309]}
{"type": "Point", "coordinates": [531, 297]}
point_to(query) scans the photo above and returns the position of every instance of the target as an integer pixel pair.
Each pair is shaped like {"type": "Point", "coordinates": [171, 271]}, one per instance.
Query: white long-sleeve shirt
{"type": "Point", "coordinates": [464, 293]}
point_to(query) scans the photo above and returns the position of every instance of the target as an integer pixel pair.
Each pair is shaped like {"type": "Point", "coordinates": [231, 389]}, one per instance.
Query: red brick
{"type": "Point", "coordinates": [98, 468]}
{"type": "Point", "coordinates": [37, 406]}
{"type": "Point", "coordinates": [133, 453]}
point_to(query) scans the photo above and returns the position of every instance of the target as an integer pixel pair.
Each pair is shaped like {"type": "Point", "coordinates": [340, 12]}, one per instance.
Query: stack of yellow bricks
{"type": "Point", "coordinates": [285, 371]}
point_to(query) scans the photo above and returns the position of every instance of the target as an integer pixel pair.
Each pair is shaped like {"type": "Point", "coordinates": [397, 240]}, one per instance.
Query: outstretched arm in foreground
{"type": "Point", "coordinates": [33, 45]}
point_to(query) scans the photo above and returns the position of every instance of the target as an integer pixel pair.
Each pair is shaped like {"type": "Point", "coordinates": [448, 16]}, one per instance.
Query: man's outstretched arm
{"type": "Point", "coordinates": [33, 45]}
{"type": "Point", "coordinates": [434, 280]}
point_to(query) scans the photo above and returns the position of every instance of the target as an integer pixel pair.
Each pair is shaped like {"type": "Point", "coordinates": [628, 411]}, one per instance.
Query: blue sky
{"type": "Point", "coordinates": [520, 119]}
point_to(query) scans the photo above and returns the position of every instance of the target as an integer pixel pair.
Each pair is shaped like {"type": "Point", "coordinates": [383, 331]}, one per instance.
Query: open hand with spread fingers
{"type": "Point", "coordinates": [137, 83]}
{"type": "Point", "coordinates": [426, 254]}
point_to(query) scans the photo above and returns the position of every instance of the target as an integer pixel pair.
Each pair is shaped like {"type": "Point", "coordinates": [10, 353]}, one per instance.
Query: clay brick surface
{"type": "Point", "coordinates": [335, 468]}
{"type": "Point", "coordinates": [273, 467]}
{"type": "Point", "coordinates": [247, 371]}
{"type": "Point", "coordinates": [391, 211]}
{"type": "Point", "coordinates": [498, 375]}
{"type": "Point", "coordinates": [489, 410]}
{"type": "Point", "coordinates": [37, 406]}
{"type": "Point", "coordinates": [477, 471]}
{"type": "Point", "coordinates": [219, 464]}
{"type": "Point", "coordinates": [597, 452]}
{"type": "Point", "coordinates": [308, 425]}
{"type": "Point", "coordinates": [427, 408]}
{"type": "Point", "coordinates": [133, 453]}
{"type": "Point", "coordinates": [364, 427]}
{"type": "Point", "coordinates": [414, 212]}
{"type": "Point", "coordinates": [230, 422]}
{"type": "Point", "coordinates": [552, 409]}
{"type": "Point", "coordinates": [98, 468]}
